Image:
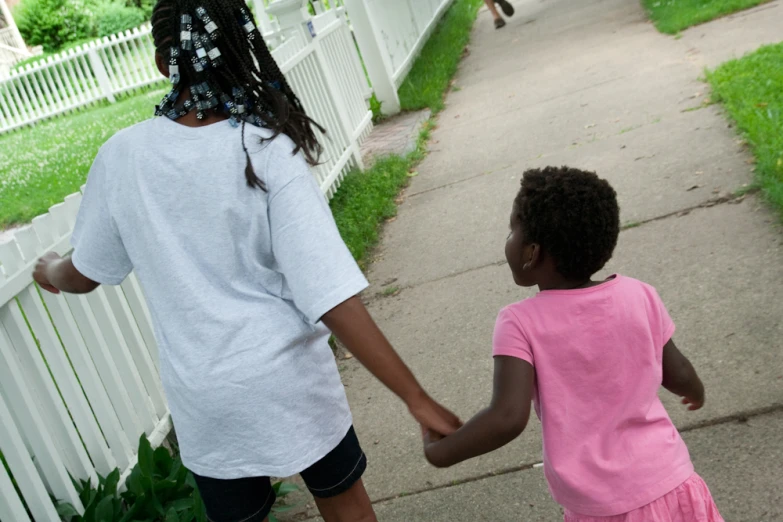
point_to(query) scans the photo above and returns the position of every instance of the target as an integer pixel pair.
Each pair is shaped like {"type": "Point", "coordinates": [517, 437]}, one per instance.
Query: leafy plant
{"type": "Point", "coordinates": [160, 489]}
{"type": "Point", "coordinates": [114, 17]}
{"type": "Point", "coordinates": [54, 23]}
{"type": "Point", "coordinates": [282, 490]}
{"type": "Point", "coordinates": [375, 107]}
{"type": "Point", "coordinates": [101, 504]}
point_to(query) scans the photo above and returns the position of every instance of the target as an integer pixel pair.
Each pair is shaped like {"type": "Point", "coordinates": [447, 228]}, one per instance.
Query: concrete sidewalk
{"type": "Point", "coordinates": [589, 84]}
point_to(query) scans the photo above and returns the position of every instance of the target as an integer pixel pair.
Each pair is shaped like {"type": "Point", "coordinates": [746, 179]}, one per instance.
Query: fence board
{"type": "Point", "coordinates": [25, 474]}
{"type": "Point", "coordinates": [25, 411]}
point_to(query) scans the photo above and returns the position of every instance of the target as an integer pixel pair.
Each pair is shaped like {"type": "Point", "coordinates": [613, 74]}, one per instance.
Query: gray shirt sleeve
{"type": "Point", "coordinates": [320, 271]}
{"type": "Point", "coordinates": [99, 252]}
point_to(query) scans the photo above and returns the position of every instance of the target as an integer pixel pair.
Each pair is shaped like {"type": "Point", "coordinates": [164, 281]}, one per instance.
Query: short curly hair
{"type": "Point", "coordinates": [573, 215]}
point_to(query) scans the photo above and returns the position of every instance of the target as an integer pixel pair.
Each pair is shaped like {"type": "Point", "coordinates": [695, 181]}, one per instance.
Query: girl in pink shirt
{"type": "Point", "coordinates": [592, 356]}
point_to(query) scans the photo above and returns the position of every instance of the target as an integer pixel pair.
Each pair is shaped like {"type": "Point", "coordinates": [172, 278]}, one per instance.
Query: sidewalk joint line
{"type": "Point", "coordinates": [727, 419]}
{"type": "Point", "coordinates": [628, 226]}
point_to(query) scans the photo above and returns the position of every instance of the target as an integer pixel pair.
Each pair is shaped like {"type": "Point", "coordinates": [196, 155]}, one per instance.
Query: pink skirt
{"type": "Point", "coordinates": [690, 502]}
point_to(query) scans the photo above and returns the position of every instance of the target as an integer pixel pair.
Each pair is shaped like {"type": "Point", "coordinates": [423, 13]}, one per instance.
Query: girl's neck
{"type": "Point", "coordinates": [191, 119]}
{"type": "Point", "coordinates": [560, 283]}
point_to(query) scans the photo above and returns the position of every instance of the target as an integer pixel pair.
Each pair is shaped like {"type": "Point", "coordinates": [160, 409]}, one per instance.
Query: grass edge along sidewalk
{"type": "Point", "coordinates": [751, 90]}
{"type": "Point", "coordinates": [366, 199]}
{"type": "Point", "coordinates": [672, 16]}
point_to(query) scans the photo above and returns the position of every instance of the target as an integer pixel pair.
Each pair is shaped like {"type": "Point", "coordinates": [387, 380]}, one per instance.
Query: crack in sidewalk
{"type": "Point", "coordinates": [742, 417]}
{"type": "Point", "coordinates": [727, 198]}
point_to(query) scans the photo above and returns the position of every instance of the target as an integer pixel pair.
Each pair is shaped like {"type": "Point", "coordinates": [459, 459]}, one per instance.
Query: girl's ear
{"type": "Point", "coordinates": [162, 64]}
{"type": "Point", "coordinates": [531, 256]}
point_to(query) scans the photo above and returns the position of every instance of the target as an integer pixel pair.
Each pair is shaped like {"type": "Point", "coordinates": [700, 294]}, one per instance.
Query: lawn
{"type": "Point", "coordinates": [751, 89]}
{"type": "Point", "coordinates": [433, 70]}
{"type": "Point", "coordinates": [41, 165]}
{"type": "Point", "coordinates": [672, 16]}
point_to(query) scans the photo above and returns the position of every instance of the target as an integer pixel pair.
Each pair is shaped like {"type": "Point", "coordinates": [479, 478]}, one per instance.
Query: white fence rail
{"type": "Point", "coordinates": [78, 377]}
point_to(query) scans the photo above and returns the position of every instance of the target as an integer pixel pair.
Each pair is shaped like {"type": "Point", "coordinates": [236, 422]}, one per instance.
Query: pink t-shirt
{"type": "Point", "coordinates": [609, 445]}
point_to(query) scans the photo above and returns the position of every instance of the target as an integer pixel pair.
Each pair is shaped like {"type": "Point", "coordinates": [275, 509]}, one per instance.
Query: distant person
{"type": "Point", "coordinates": [213, 205]}
{"type": "Point", "coordinates": [592, 355]}
{"type": "Point", "coordinates": [507, 8]}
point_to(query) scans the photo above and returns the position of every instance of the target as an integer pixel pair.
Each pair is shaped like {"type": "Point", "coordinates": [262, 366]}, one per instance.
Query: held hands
{"type": "Point", "coordinates": [41, 276]}
{"type": "Point", "coordinates": [433, 416]}
{"type": "Point", "coordinates": [431, 440]}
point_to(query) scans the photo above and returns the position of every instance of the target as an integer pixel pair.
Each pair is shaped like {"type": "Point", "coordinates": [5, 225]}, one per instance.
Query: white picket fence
{"type": "Point", "coordinates": [79, 380]}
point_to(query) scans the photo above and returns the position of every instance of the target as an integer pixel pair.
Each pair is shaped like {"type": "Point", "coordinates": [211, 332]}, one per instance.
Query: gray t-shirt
{"type": "Point", "coordinates": [236, 280]}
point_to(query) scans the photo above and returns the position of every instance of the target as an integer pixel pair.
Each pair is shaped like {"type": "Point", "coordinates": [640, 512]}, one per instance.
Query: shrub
{"type": "Point", "coordinates": [115, 17]}
{"type": "Point", "coordinates": [54, 23]}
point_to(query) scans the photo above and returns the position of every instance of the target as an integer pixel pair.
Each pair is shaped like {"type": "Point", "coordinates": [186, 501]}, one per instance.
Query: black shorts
{"type": "Point", "coordinates": [251, 499]}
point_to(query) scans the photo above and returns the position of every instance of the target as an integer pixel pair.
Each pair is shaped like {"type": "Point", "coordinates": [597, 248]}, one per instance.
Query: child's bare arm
{"type": "Point", "coordinates": [503, 421]}
{"type": "Point", "coordinates": [352, 324]}
{"type": "Point", "coordinates": [680, 378]}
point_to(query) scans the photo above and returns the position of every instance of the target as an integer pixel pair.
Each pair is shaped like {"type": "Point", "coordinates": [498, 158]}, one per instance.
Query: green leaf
{"type": "Point", "coordinates": [176, 471]}
{"type": "Point", "coordinates": [282, 509]}
{"type": "Point", "coordinates": [199, 510]}
{"type": "Point", "coordinates": [134, 483]}
{"type": "Point", "coordinates": [285, 488]}
{"type": "Point", "coordinates": [104, 512]}
{"type": "Point", "coordinates": [66, 511]}
{"type": "Point", "coordinates": [171, 515]}
{"type": "Point", "coordinates": [92, 497]}
{"type": "Point", "coordinates": [163, 461]}
{"type": "Point", "coordinates": [156, 505]}
{"type": "Point", "coordinates": [112, 480]}
{"type": "Point", "coordinates": [191, 481]}
{"type": "Point", "coordinates": [181, 504]}
{"type": "Point", "coordinates": [146, 457]}
{"type": "Point", "coordinates": [273, 518]}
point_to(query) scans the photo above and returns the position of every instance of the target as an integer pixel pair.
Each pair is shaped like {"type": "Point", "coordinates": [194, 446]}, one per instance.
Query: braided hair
{"type": "Point", "coordinates": [214, 49]}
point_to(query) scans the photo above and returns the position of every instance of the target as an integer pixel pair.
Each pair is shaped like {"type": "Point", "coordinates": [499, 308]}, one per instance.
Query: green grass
{"type": "Point", "coordinates": [366, 199]}
{"type": "Point", "coordinates": [433, 70]}
{"type": "Point", "coordinates": [751, 89]}
{"type": "Point", "coordinates": [672, 16]}
{"type": "Point", "coordinates": [41, 165]}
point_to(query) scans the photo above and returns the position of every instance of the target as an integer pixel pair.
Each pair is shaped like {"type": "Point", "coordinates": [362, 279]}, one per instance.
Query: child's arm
{"type": "Point", "coordinates": [503, 421]}
{"type": "Point", "coordinates": [352, 324]}
{"type": "Point", "coordinates": [680, 378]}
{"type": "Point", "coordinates": [55, 274]}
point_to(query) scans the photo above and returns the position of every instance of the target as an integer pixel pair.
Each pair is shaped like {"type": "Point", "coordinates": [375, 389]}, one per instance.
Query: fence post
{"type": "Point", "coordinates": [262, 17]}
{"type": "Point", "coordinates": [100, 73]}
{"type": "Point", "coordinates": [376, 61]}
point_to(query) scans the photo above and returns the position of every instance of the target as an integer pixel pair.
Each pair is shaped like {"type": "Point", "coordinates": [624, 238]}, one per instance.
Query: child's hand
{"type": "Point", "coordinates": [693, 403]}
{"type": "Point", "coordinates": [433, 416]}
{"type": "Point", "coordinates": [41, 275]}
{"type": "Point", "coordinates": [431, 440]}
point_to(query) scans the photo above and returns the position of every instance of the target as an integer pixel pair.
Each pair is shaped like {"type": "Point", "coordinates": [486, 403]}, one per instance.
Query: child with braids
{"type": "Point", "coordinates": [213, 205]}
{"type": "Point", "coordinates": [592, 355]}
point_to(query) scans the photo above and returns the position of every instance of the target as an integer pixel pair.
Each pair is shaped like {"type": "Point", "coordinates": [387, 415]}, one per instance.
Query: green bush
{"type": "Point", "coordinates": [115, 17]}
{"type": "Point", "coordinates": [144, 5]}
{"type": "Point", "coordinates": [54, 23]}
